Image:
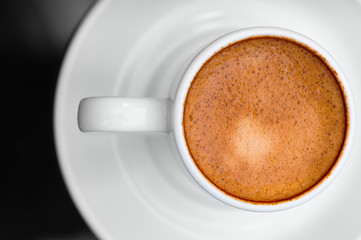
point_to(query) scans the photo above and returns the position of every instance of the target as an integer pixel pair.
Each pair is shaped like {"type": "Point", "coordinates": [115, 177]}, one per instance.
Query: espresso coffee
{"type": "Point", "coordinates": [265, 119]}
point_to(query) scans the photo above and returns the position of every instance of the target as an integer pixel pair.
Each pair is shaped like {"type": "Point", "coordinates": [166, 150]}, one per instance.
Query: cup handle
{"type": "Point", "coordinates": [113, 114]}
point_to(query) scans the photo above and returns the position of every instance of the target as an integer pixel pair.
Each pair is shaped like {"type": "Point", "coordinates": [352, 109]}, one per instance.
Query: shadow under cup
{"type": "Point", "coordinates": [239, 119]}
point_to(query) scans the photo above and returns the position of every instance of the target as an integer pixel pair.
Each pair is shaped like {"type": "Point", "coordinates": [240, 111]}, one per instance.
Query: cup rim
{"type": "Point", "coordinates": [181, 95]}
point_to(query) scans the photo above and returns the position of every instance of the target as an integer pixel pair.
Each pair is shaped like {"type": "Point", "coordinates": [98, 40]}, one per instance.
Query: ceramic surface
{"type": "Point", "coordinates": [129, 186]}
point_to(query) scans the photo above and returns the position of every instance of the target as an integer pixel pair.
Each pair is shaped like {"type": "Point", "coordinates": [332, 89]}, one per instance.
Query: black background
{"type": "Point", "coordinates": [35, 203]}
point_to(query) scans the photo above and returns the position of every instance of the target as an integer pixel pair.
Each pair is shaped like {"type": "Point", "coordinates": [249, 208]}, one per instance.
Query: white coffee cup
{"type": "Point", "coordinates": [117, 114]}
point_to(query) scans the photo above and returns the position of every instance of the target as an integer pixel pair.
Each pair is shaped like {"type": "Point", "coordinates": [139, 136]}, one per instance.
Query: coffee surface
{"type": "Point", "coordinates": [264, 119]}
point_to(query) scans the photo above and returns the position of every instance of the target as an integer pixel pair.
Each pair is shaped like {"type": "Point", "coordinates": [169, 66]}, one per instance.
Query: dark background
{"type": "Point", "coordinates": [34, 201]}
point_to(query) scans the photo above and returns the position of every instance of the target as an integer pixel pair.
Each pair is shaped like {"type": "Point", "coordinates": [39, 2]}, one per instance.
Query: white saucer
{"type": "Point", "coordinates": [128, 186]}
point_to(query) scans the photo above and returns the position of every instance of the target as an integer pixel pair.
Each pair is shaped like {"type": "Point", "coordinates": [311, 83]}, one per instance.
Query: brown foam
{"type": "Point", "coordinates": [264, 119]}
